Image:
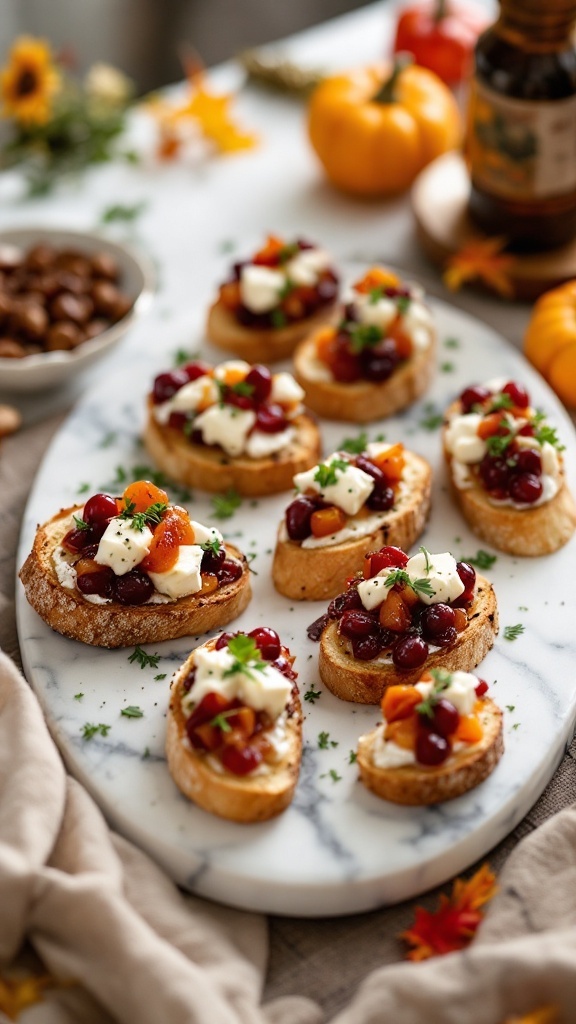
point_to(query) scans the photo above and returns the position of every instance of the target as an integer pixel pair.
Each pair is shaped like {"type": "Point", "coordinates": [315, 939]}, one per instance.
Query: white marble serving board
{"type": "Point", "coordinates": [338, 849]}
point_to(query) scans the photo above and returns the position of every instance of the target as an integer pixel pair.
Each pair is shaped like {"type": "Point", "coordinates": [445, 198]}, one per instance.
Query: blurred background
{"type": "Point", "coordinates": [142, 36]}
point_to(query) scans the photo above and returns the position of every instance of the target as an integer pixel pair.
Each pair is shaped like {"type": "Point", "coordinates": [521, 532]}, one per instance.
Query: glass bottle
{"type": "Point", "coordinates": [521, 143]}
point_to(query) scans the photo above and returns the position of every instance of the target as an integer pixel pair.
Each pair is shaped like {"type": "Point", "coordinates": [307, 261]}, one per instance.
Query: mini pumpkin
{"type": "Point", "coordinates": [550, 340]}
{"type": "Point", "coordinates": [374, 129]}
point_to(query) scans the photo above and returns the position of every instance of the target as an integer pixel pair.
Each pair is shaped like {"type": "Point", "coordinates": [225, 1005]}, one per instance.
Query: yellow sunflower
{"type": "Point", "coordinates": [29, 81]}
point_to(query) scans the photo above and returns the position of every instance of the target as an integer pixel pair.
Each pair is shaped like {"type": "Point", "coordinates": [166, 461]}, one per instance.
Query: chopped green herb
{"type": "Point", "coordinates": [146, 753]}
{"type": "Point", "coordinates": [81, 524]}
{"type": "Point", "coordinates": [451, 343]}
{"type": "Point", "coordinates": [108, 439]}
{"type": "Point", "coordinates": [422, 586]}
{"type": "Point", "coordinates": [447, 367]}
{"type": "Point", "coordinates": [144, 660]}
{"type": "Point", "coordinates": [121, 475]}
{"type": "Point", "coordinates": [78, 696]}
{"type": "Point", "coordinates": [376, 294]}
{"type": "Point", "coordinates": [332, 774]}
{"type": "Point", "coordinates": [352, 757]}
{"type": "Point", "coordinates": [516, 725]}
{"type": "Point", "coordinates": [547, 434]}
{"type": "Point", "coordinates": [501, 401]}
{"type": "Point", "coordinates": [354, 445]}
{"type": "Point", "coordinates": [88, 730]}
{"type": "Point", "coordinates": [363, 336]}
{"type": "Point", "coordinates": [278, 318]}
{"type": "Point", "coordinates": [498, 443]}
{"type": "Point", "coordinates": [180, 357]}
{"type": "Point", "coordinates": [324, 741]}
{"type": "Point", "coordinates": [132, 711]}
{"type": "Point", "coordinates": [431, 421]}
{"type": "Point", "coordinates": [246, 656]}
{"type": "Point", "coordinates": [159, 677]}
{"type": "Point", "coordinates": [513, 632]}
{"type": "Point", "coordinates": [213, 545]}
{"type": "Point", "coordinates": [403, 303]}
{"type": "Point", "coordinates": [83, 488]}
{"type": "Point", "coordinates": [312, 695]}
{"type": "Point", "coordinates": [225, 505]}
{"type": "Point", "coordinates": [427, 562]}
{"type": "Point", "coordinates": [288, 251]}
{"type": "Point", "coordinates": [326, 474]}
{"type": "Point", "coordinates": [510, 707]}
{"type": "Point", "coordinates": [122, 212]}
{"type": "Point", "coordinates": [153, 514]}
{"type": "Point", "coordinates": [226, 245]}
{"type": "Point", "coordinates": [482, 559]}
{"type": "Point", "coordinates": [442, 680]}
{"type": "Point", "coordinates": [522, 608]}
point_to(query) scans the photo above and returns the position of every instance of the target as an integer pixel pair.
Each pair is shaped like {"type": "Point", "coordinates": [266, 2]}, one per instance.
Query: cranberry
{"type": "Point", "coordinates": [494, 473]}
{"type": "Point", "coordinates": [482, 688]}
{"type": "Point", "coordinates": [475, 395]}
{"type": "Point", "coordinates": [446, 637]}
{"type": "Point", "coordinates": [369, 467]}
{"type": "Point", "coordinates": [517, 393]}
{"type": "Point", "coordinates": [135, 587]}
{"type": "Point", "coordinates": [380, 361]}
{"type": "Point", "coordinates": [365, 648]}
{"type": "Point", "coordinates": [177, 420]}
{"type": "Point", "coordinates": [237, 268]}
{"type": "Point", "coordinates": [431, 749]}
{"type": "Point", "coordinates": [285, 667]}
{"type": "Point", "coordinates": [99, 509]}
{"type": "Point", "coordinates": [350, 312]}
{"type": "Point", "coordinates": [241, 760]}
{"type": "Point", "coordinates": [94, 533]}
{"type": "Point", "coordinates": [349, 599]}
{"type": "Point", "coordinates": [467, 575]}
{"type": "Point", "coordinates": [267, 641]}
{"type": "Point", "coordinates": [345, 365]}
{"type": "Point", "coordinates": [167, 384]}
{"type": "Point", "coordinates": [387, 557]}
{"type": "Point", "coordinates": [410, 652]}
{"type": "Point", "coordinates": [435, 619]}
{"type": "Point", "coordinates": [259, 379]}
{"type": "Point", "coordinates": [526, 430]}
{"type": "Point", "coordinates": [197, 437]}
{"type": "Point", "coordinates": [74, 541]}
{"type": "Point", "coordinates": [445, 718]}
{"type": "Point", "coordinates": [99, 582]}
{"type": "Point", "coordinates": [212, 561]}
{"type": "Point", "coordinates": [525, 488]}
{"type": "Point", "coordinates": [356, 623]}
{"type": "Point", "coordinates": [196, 369]}
{"type": "Point", "coordinates": [315, 629]}
{"type": "Point", "coordinates": [222, 640]}
{"type": "Point", "coordinates": [271, 418]}
{"type": "Point", "coordinates": [231, 397]}
{"type": "Point", "coordinates": [381, 499]}
{"type": "Point", "coordinates": [303, 244]}
{"type": "Point", "coordinates": [327, 289]}
{"type": "Point", "coordinates": [188, 681]}
{"type": "Point", "coordinates": [528, 460]}
{"type": "Point", "coordinates": [228, 572]}
{"type": "Point", "coordinates": [89, 550]}
{"type": "Point", "coordinates": [298, 515]}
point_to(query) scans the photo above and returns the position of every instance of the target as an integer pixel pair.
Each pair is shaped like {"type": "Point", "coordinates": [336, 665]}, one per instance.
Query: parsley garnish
{"type": "Point", "coordinates": [225, 505]}
{"type": "Point", "coordinates": [427, 562]}
{"type": "Point", "coordinates": [447, 367]}
{"type": "Point", "coordinates": [83, 488]}
{"type": "Point", "coordinates": [312, 695]}
{"type": "Point", "coordinates": [78, 696]}
{"type": "Point", "coordinates": [288, 251]}
{"type": "Point", "coordinates": [516, 725]}
{"type": "Point", "coordinates": [375, 295]}
{"type": "Point", "coordinates": [81, 524]}
{"type": "Point", "coordinates": [161, 675]}
{"type": "Point", "coordinates": [213, 545]}
{"type": "Point", "coordinates": [132, 712]}
{"type": "Point", "coordinates": [510, 707]}
{"type": "Point", "coordinates": [354, 445]}
{"type": "Point", "coordinates": [497, 444]}
{"type": "Point", "coordinates": [324, 741]}
{"type": "Point", "coordinates": [433, 419]}
{"type": "Point", "coordinates": [546, 433]}
{"type": "Point", "coordinates": [153, 514]}
{"type": "Point", "coordinates": [482, 559]}
{"type": "Point", "coordinates": [513, 632]}
{"type": "Point", "coordinates": [246, 656]}
{"type": "Point", "coordinates": [403, 303]}
{"type": "Point", "coordinates": [278, 318]}
{"type": "Point", "coordinates": [326, 474]}
{"type": "Point", "coordinates": [364, 336]}
{"type": "Point", "coordinates": [352, 757]}
{"type": "Point", "coordinates": [144, 660]}
{"type": "Point", "coordinates": [501, 401]}
{"type": "Point", "coordinates": [422, 586]}
{"type": "Point", "coordinates": [332, 774]}
{"type": "Point", "coordinates": [88, 730]}
{"type": "Point", "coordinates": [108, 439]}
{"type": "Point", "coordinates": [442, 680]}
{"type": "Point", "coordinates": [122, 212]}
{"type": "Point", "coordinates": [451, 343]}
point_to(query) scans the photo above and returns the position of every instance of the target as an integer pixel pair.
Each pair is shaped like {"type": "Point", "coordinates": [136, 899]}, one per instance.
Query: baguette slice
{"type": "Point", "coordinates": [529, 531]}
{"type": "Point", "coordinates": [261, 345]}
{"type": "Point", "coordinates": [313, 574]}
{"type": "Point", "coordinates": [115, 624]}
{"type": "Point", "coordinates": [243, 799]}
{"type": "Point", "coordinates": [417, 785]}
{"type": "Point", "coordinates": [210, 469]}
{"type": "Point", "coordinates": [363, 401]}
{"type": "Point", "coordinates": [365, 681]}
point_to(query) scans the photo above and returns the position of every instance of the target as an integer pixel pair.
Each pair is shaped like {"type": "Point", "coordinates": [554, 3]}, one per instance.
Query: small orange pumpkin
{"type": "Point", "coordinates": [550, 340]}
{"type": "Point", "coordinates": [374, 129]}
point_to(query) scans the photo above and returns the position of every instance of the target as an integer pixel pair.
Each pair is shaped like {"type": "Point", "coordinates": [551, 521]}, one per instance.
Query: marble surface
{"type": "Point", "coordinates": [338, 849]}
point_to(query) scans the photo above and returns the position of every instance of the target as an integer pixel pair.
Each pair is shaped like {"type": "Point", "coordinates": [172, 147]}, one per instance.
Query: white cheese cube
{"type": "Point", "coordinates": [260, 287]}
{"type": "Point", "coordinates": [286, 390]}
{"type": "Point", "coordinates": [380, 313]}
{"type": "Point", "coordinates": [353, 486]}
{"type": "Point", "coordinates": [306, 266]}
{"type": "Point", "coordinates": [122, 547]}
{"type": "Point", "coordinates": [265, 690]}
{"type": "Point", "coordinates": [550, 460]}
{"type": "Point", "coordinates": [374, 591]}
{"type": "Point", "coordinates": [184, 577]}
{"type": "Point", "coordinates": [205, 534]}
{"type": "Point", "coordinates": [441, 573]}
{"type": "Point", "coordinates": [227, 426]}
{"type": "Point", "coordinates": [238, 367]}
{"type": "Point", "coordinates": [418, 324]}
{"type": "Point", "coordinates": [259, 444]}
{"type": "Point", "coordinates": [462, 439]}
{"type": "Point", "coordinates": [462, 692]}
{"type": "Point", "coordinates": [210, 667]}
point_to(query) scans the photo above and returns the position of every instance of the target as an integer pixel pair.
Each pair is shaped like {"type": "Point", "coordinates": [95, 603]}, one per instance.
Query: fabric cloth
{"type": "Point", "coordinates": [103, 919]}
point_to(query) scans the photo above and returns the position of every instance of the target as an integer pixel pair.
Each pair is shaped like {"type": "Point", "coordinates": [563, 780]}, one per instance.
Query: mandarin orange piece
{"type": "Point", "coordinates": [325, 345]}
{"type": "Point", "coordinates": [269, 251]}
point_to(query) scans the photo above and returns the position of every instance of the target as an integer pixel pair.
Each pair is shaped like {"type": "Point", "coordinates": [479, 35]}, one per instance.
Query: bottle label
{"type": "Point", "coordinates": [520, 149]}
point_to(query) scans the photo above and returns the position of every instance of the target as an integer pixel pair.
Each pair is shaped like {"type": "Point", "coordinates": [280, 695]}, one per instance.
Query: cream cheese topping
{"type": "Point", "coordinates": [416, 319]}
{"type": "Point", "coordinates": [439, 569]}
{"type": "Point", "coordinates": [350, 491]}
{"type": "Point", "coordinates": [264, 689]}
{"type": "Point", "coordinates": [262, 288]}
{"type": "Point", "coordinates": [226, 426]}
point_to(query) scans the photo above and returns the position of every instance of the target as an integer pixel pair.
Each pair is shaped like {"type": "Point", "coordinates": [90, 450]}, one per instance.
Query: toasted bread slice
{"type": "Point", "coordinates": [313, 574]}
{"type": "Point", "coordinates": [210, 469]}
{"type": "Point", "coordinates": [119, 625]}
{"type": "Point", "coordinates": [363, 401]}
{"type": "Point", "coordinates": [415, 784]}
{"type": "Point", "coordinates": [261, 345]}
{"type": "Point", "coordinates": [365, 681]}
{"type": "Point", "coordinates": [239, 798]}
{"type": "Point", "coordinates": [528, 531]}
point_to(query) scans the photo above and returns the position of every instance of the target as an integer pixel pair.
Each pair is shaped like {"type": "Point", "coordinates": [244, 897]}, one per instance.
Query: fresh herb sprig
{"type": "Point", "coordinates": [364, 336]}
{"type": "Point", "coordinates": [153, 514]}
{"type": "Point", "coordinates": [132, 711]}
{"type": "Point", "coordinates": [88, 730]}
{"type": "Point", "coordinates": [143, 659]}
{"type": "Point", "coordinates": [422, 586]}
{"type": "Point", "coordinates": [81, 524]}
{"type": "Point", "coordinates": [326, 474]}
{"type": "Point", "coordinates": [354, 445]}
{"type": "Point", "coordinates": [513, 632]}
{"type": "Point", "coordinates": [442, 680]}
{"type": "Point", "coordinates": [246, 656]}
{"type": "Point", "coordinates": [225, 505]}
{"type": "Point", "coordinates": [482, 559]}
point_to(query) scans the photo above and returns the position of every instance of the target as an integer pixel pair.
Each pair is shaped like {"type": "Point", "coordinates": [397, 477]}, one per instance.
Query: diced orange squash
{"type": "Point", "coordinates": [376, 277]}
{"type": "Point", "coordinates": [394, 614]}
{"type": "Point", "coordinates": [399, 702]}
{"type": "Point", "coordinates": [403, 732]}
{"type": "Point", "coordinates": [469, 729]}
{"type": "Point", "coordinates": [325, 521]}
{"type": "Point", "coordinates": [391, 462]}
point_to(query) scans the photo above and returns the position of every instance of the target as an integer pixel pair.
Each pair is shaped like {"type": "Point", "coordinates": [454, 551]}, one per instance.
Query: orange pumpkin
{"type": "Point", "coordinates": [550, 340]}
{"type": "Point", "coordinates": [374, 130]}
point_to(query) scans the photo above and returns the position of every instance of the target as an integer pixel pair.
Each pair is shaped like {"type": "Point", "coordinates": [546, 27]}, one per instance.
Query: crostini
{"type": "Point", "coordinates": [378, 360]}
{"type": "Point", "coordinates": [347, 506]}
{"type": "Point", "coordinates": [273, 300]}
{"type": "Point", "coordinates": [439, 739]}
{"type": "Point", "coordinates": [506, 470]}
{"type": "Point", "coordinates": [132, 570]}
{"type": "Point", "coordinates": [234, 731]}
{"type": "Point", "coordinates": [402, 616]}
{"type": "Point", "coordinates": [233, 426]}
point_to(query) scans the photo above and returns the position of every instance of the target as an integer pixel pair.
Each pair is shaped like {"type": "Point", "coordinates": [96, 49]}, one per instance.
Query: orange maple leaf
{"type": "Point", "coordinates": [481, 259]}
{"type": "Point", "coordinates": [453, 925]}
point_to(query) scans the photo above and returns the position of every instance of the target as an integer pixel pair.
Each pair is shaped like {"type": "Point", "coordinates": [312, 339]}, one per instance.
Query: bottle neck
{"type": "Point", "coordinates": [538, 22]}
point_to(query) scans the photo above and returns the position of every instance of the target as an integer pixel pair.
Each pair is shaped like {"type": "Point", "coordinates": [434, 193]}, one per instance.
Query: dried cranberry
{"type": "Point", "coordinates": [135, 587]}
{"type": "Point", "coordinates": [482, 688]}
{"type": "Point", "coordinates": [229, 572]}
{"type": "Point", "coordinates": [435, 620]}
{"type": "Point", "coordinates": [343, 602]}
{"type": "Point", "coordinates": [99, 582]}
{"type": "Point", "coordinates": [94, 533]}
{"type": "Point", "coordinates": [223, 639]}
{"type": "Point", "coordinates": [517, 393]}
{"type": "Point", "coordinates": [381, 500]}
{"type": "Point", "coordinates": [365, 648]}
{"type": "Point", "coordinates": [369, 467]}
{"type": "Point", "coordinates": [431, 749]}
{"type": "Point", "coordinates": [410, 652]}
{"type": "Point", "coordinates": [526, 430]}
{"type": "Point", "coordinates": [357, 623]}
{"type": "Point", "coordinates": [528, 460]}
{"type": "Point", "coordinates": [475, 395]}
{"type": "Point", "coordinates": [237, 268]}
{"type": "Point", "coordinates": [212, 561]}
{"type": "Point", "coordinates": [315, 629]}
{"type": "Point", "coordinates": [74, 541]}
{"type": "Point", "coordinates": [177, 420]}
{"type": "Point", "coordinates": [525, 488]}
{"type": "Point", "coordinates": [231, 397]}
{"type": "Point", "coordinates": [285, 667]}
{"type": "Point", "coordinates": [188, 681]}
{"type": "Point", "coordinates": [259, 379]}
{"type": "Point", "coordinates": [267, 641]}
{"type": "Point", "coordinates": [380, 361]}
{"type": "Point", "coordinates": [387, 557]}
{"type": "Point", "coordinates": [271, 418]}
{"type": "Point", "coordinates": [241, 760]}
{"type": "Point", "coordinates": [467, 575]}
{"type": "Point", "coordinates": [99, 509]}
{"type": "Point", "coordinates": [211, 705]}
{"type": "Point", "coordinates": [196, 369]}
{"type": "Point", "coordinates": [298, 515]}
{"type": "Point", "coordinates": [345, 365]}
{"type": "Point", "coordinates": [445, 717]}
{"type": "Point", "coordinates": [494, 473]}
{"type": "Point", "coordinates": [167, 384]}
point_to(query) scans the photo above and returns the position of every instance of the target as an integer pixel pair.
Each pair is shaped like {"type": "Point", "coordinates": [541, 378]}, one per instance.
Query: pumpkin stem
{"type": "Point", "coordinates": [441, 11]}
{"type": "Point", "coordinates": [387, 91]}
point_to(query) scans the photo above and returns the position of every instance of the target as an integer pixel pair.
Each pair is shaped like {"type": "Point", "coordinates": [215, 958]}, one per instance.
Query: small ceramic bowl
{"type": "Point", "coordinates": [45, 370]}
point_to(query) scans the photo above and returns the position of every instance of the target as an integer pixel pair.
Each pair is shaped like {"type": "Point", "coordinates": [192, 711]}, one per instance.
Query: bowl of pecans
{"type": "Point", "coordinates": [66, 298]}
